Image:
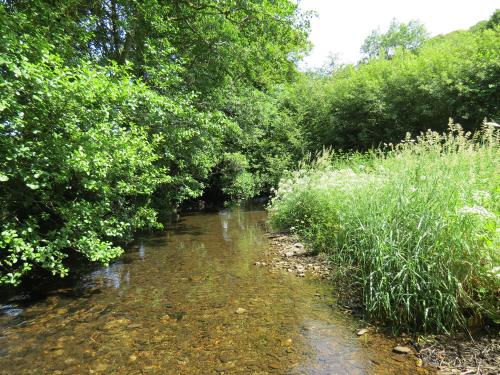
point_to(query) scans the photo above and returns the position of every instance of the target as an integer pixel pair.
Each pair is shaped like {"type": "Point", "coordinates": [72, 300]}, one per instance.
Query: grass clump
{"type": "Point", "coordinates": [414, 224]}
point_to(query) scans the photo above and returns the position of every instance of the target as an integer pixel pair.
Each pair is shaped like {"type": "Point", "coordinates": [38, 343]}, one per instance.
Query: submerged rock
{"type": "Point", "coordinates": [275, 366]}
{"type": "Point", "coordinates": [116, 323]}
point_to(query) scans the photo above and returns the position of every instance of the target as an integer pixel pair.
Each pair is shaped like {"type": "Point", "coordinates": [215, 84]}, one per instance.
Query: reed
{"type": "Point", "coordinates": [415, 225]}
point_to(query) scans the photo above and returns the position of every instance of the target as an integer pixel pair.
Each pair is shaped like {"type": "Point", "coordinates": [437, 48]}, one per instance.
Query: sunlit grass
{"type": "Point", "coordinates": [415, 225]}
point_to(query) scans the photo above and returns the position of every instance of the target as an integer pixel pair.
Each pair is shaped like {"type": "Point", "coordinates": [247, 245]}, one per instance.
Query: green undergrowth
{"type": "Point", "coordinates": [415, 225]}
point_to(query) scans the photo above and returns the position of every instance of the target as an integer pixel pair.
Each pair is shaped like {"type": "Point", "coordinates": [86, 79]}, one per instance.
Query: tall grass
{"type": "Point", "coordinates": [415, 225]}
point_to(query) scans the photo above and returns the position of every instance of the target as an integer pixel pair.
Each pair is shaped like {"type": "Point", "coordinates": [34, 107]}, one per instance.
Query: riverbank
{"type": "Point", "coordinates": [461, 354]}
{"type": "Point", "coordinates": [287, 253]}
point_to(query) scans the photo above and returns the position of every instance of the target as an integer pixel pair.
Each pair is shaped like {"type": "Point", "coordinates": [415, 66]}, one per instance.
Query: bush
{"type": "Point", "coordinates": [237, 182]}
{"type": "Point", "coordinates": [416, 225]}
{"type": "Point", "coordinates": [88, 155]}
{"type": "Point", "coordinates": [360, 107]}
{"type": "Point", "coordinates": [267, 136]}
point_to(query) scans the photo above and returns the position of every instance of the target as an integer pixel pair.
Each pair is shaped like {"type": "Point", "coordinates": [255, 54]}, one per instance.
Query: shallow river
{"type": "Point", "coordinates": [169, 306]}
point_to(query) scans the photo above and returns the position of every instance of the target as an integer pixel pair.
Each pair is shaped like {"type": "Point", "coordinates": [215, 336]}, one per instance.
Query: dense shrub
{"type": "Point", "coordinates": [264, 140]}
{"type": "Point", "coordinates": [87, 156]}
{"type": "Point", "coordinates": [415, 225]}
{"type": "Point", "coordinates": [237, 182]}
{"type": "Point", "coordinates": [359, 107]}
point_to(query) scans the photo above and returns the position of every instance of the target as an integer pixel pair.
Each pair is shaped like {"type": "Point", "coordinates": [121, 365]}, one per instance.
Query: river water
{"type": "Point", "coordinates": [169, 306]}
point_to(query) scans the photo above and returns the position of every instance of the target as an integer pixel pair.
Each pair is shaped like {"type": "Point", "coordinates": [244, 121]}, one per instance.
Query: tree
{"type": "Point", "coordinates": [359, 107]}
{"type": "Point", "coordinates": [491, 23]}
{"type": "Point", "coordinates": [408, 36]}
{"type": "Point", "coordinates": [195, 45]}
{"type": "Point", "coordinates": [113, 112]}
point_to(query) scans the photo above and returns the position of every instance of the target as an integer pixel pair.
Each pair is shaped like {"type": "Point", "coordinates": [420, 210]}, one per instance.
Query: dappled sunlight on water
{"type": "Point", "coordinates": [169, 306]}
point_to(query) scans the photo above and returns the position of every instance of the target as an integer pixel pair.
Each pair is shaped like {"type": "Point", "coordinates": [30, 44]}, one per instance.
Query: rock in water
{"type": "Point", "coordinates": [240, 310]}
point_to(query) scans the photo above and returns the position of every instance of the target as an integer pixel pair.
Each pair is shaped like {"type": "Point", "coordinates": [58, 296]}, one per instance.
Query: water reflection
{"type": "Point", "coordinates": [113, 275]}
{"type": "Point", "coordinates": [10, 310]}
{"type": "Point", "coordinates": [225, 216]}
{"type": "Point", "coordinates": [142, 250]}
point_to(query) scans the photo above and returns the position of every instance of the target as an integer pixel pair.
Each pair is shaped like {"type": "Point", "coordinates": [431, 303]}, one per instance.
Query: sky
{"type": "Point", "coordinates": [341, 26]}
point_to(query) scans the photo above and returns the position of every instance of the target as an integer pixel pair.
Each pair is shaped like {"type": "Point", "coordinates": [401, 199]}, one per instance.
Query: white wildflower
{"type": "Point", "coordinates": [481, 196]}
{"type": "Point", "coordinates": [476, 210]}
{"type": "Point", "coordinates": [496, 271]}
{"type": "Point", "coordinates": [413, 189]}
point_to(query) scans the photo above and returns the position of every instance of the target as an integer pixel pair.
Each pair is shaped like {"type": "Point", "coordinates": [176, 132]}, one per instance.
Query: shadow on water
{"type": "Point", "coordinates": [190, 301]}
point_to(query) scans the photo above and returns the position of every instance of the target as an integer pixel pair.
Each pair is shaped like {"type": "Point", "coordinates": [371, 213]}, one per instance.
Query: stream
{"type": "Point", "coordinates": [191, 301]}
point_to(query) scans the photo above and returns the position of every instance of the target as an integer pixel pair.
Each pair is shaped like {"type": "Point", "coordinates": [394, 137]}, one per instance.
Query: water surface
{"type": "Point", "coordinates": [169, 306]}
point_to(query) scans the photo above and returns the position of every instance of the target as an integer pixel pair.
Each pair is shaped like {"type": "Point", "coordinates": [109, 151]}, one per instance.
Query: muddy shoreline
{"type": "Point", "coordinates": [462, 354]}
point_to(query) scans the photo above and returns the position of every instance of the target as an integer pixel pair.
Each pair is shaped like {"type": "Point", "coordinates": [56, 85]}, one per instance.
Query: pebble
{"type": "Point", "coordinates": [100, 367]}
{"type": "Point", "coordinates": [113, 324]}
{"type": "Point", "coordinates": [300, 267]}
{"type": "Point", "coordinates": [361, 332]}
{"type": "Point", "coordinates": [240, 310]}
{"type": "Point", "coordinates": [402, 349]}
{"type": "Point", "coordinates": [299, 252]}
{"type": "Point", "coordinates": [224, 358]}
{"type": "Point", "coordinates": [165, 318]}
